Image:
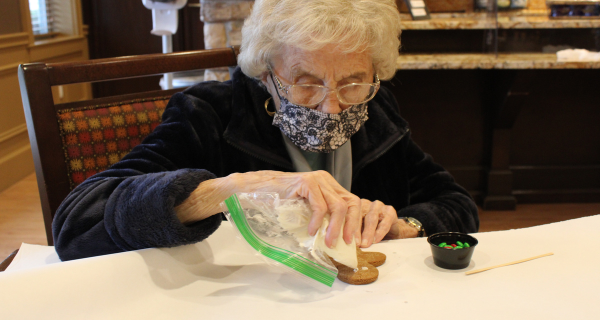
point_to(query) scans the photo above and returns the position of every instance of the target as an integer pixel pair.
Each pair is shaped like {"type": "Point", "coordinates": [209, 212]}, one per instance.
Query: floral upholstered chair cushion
{"type": "Point", "coordinates": [96, 137]}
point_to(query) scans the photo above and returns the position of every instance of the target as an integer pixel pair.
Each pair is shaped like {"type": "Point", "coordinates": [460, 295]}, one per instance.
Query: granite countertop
{"type": "Point", "coordinates": [524, 19]}
{"type": "Point", "coordinates": [489, 61]}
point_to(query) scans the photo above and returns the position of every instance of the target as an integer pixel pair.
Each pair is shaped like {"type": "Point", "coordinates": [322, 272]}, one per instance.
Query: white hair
{"type": "Point", "coordinates": [351, 25]}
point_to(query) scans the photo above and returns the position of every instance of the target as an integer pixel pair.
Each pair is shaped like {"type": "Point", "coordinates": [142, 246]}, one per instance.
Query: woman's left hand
{"type": "Point", "coordinates": [380, 222]}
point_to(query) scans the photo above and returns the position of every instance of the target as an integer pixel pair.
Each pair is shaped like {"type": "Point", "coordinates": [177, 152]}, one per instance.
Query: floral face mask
{"type": "Point", "coordinates": [316, 131]}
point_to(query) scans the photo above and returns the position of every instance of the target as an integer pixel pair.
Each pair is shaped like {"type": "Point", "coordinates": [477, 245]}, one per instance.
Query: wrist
{"type": "Point", "coordinates": [407, 231]}
{"type": "Point", "coordinates": [244, 182]}
{"type": "Point", "coordinates": [205, 200]}
{"type": "Point", "coordinates": [416, 225]}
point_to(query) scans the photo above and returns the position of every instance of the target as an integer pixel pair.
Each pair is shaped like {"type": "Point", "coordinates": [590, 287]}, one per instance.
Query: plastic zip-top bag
{"type": "Point", "coordinates": [277, 230]}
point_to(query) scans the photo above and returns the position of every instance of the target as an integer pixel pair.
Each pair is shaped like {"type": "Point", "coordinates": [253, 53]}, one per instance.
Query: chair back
{"type": "Point", "coordinates": [73, 141]}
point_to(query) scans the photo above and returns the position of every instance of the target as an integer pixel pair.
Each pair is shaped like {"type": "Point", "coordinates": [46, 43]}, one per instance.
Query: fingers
{"type": "Point", "coordinates": [343, 207]}
{"type": "Point", "coordinates": [348, 215]}
{"type": "Point", "coordinates": [337, 209]}
{"type": "Point", "coordinates": [377, 222]}
{"type": "Point", "coordinates": [365, 206]}
{"type": "Point", "coordinates": [322, 201]}
{"type": "Point", "coordinates": [370, 222]}
{"type": "Point", "coordinates": [353, 218]}
{"type": "Point", "coordinates": [389, 220]}
{"type": "Point", "coordinates": [322, 198]}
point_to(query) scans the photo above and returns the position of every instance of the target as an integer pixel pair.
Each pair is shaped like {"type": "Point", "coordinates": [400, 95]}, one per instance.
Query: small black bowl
{"type": "Point", "coordinates": [450, 258]}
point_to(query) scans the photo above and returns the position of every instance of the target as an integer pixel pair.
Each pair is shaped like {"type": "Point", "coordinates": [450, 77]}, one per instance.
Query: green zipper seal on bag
{"type": "Point", "coordinates": [288, 258]}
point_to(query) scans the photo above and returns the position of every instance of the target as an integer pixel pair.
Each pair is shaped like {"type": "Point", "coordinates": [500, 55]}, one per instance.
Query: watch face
{"type": "Point", "coordinates": [415, 222]}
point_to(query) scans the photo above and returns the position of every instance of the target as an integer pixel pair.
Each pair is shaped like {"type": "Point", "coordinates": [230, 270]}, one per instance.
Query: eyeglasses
{"type": "Point", "coordinates": [310, 95]}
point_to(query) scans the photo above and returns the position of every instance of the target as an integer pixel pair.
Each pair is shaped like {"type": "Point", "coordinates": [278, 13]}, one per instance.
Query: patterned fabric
{"type": "Point", "coordinates": [316, 131]}
{"type": "Point", "coordinates": [96, 137]}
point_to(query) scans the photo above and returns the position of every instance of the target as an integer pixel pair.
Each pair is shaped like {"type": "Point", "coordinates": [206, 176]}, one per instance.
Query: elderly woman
{"type": "Point", "coordinates": [304, 115]}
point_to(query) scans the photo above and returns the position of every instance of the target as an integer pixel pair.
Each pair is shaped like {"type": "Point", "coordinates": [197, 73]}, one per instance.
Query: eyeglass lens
{"type": "Point", "coordinates": [309, 95]}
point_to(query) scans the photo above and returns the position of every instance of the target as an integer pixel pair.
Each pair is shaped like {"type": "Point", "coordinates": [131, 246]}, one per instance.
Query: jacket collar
{"type": "Point", "coordinates": [250, 127]}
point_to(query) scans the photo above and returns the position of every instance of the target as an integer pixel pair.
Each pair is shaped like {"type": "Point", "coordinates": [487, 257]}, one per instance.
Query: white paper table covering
{"type": "Point", "coordinates": [32, 256]}
{"type": "Point", "coordinates": [220, 279]}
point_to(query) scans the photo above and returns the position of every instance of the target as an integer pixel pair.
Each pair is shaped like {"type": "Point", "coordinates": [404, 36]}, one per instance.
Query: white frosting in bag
{"type": "Point", "coordinates": [295, 216]}
{"type": "Point", "coordinates": [342, 253]}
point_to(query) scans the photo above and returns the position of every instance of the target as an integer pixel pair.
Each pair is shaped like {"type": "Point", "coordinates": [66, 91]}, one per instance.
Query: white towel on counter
{"type": "Point", "coordinates": [577, 55]}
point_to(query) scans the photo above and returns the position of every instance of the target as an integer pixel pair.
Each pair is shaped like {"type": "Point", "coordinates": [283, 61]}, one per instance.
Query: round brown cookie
{"type": "Point", "coordinates": [374, 258]}
{"type": "Point", "coordinates": [364, 274]}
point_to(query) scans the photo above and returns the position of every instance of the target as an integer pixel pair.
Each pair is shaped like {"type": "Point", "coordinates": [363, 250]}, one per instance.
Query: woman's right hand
{"type": "Point", "coordinates": [324, 195]}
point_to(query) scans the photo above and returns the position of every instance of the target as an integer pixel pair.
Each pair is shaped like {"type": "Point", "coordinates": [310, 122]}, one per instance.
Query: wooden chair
{"type": "Point", "coordinates": [72, 141]}
{"type": "Point", "coordinates": [6, 262]}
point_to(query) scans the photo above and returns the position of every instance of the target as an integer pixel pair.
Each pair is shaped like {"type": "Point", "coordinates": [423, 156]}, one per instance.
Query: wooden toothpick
{"type": "Point", "coordinates": [507, 264]}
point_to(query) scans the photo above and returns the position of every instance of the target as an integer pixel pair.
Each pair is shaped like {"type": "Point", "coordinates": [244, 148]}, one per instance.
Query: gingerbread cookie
{"type": "Point", "coordinates": [364, 274]}
{"type": "Point", "coordinates": [374, 258]}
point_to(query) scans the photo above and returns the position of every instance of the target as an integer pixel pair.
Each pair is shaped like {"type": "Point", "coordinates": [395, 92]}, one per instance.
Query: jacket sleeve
{"type": "Point", "coordinates": [436, 200]}
{"type": "Point", "coordinates": [131, 205]}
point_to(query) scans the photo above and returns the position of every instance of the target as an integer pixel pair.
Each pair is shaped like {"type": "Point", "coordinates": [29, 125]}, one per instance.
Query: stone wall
{"type": "Point", "coordinates": [223, 21]}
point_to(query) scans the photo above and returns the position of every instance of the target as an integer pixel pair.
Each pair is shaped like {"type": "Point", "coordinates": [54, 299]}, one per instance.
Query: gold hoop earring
{"type": "Point", "coordinates": [270, 113]}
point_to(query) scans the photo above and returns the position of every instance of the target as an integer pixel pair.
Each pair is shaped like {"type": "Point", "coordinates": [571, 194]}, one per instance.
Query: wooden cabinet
{"type": "Point", "coordinates": [517, 127]}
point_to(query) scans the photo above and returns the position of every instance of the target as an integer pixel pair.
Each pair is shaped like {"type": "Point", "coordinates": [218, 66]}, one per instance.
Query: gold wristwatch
{"type": "Point", "coordinates": [415, 224]}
